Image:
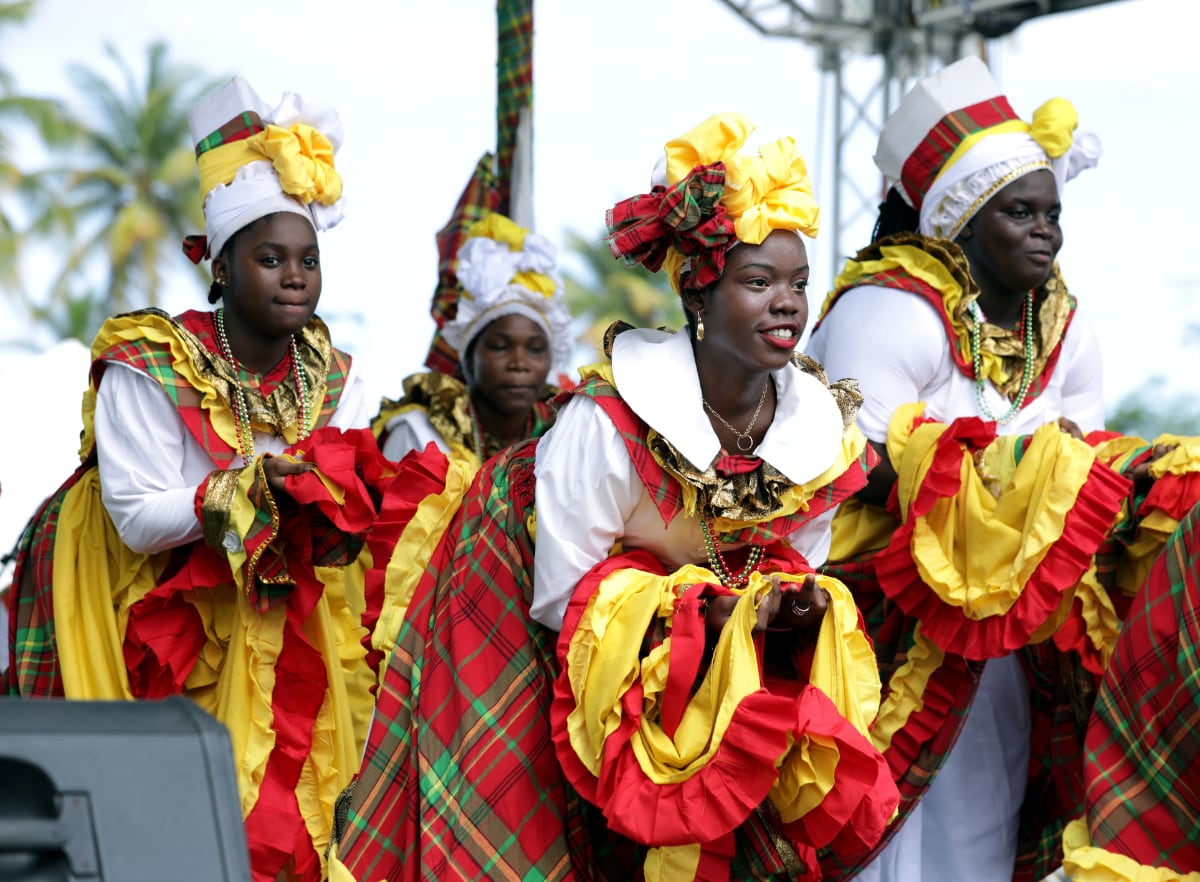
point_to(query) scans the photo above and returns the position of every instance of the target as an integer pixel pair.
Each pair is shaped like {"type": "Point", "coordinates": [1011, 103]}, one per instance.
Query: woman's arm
{"type": "Point", "coordinates": [586, 491]}
{"type": "Point", "coordinates": [892, 342]}
{"type": "Point", "coordinates": [1083, 385]}
{"type": "Point", "coordinates": [140, 445]}
{"type": "Point", "coordinates": [409, 431]}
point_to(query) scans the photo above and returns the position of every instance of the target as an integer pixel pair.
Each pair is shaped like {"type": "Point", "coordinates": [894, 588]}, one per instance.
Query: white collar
{"type": "Point", "coordinates": [655, 372]}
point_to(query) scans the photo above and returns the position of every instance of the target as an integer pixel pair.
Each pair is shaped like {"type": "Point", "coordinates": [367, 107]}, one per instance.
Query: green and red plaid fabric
{"type": "Point", "coordinates": [1142, 767]}
{"type": "Point", "coordinates": [514, 86]}
{"type": "Point", "coordinates": [926, 162]}
{"type": "Point", "coordinates": [32, 651]}
{"type": "Point", "coordinates": [460, 779]}
{"type": "Point", "coordinates": [239, 128]}
{"type": "Point", "coordinates": [478, 199]}
{"type": "Point", "coordinates": [688, 216]}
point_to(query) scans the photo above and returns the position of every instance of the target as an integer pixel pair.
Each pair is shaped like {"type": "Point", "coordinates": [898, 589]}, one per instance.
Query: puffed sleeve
{"type": "Point", "coordinates": [411, 430]}
{"type": "Point", "coordinates": [586, 490]}
{"type": "Point", "coordinates": [869, 335]}
{"type": "Point", "coordinates": [352, 411]}
{"type": "Point", "coordinates": [1083, 384]}
{"type": "Point", "coordinates": [140, 441]}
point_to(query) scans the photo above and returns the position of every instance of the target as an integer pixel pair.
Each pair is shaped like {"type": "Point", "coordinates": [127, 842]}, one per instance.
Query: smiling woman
{"type": "Point", "coordinates": [994, 551]}
{"type": "Point", "coordinates": [619, 660]}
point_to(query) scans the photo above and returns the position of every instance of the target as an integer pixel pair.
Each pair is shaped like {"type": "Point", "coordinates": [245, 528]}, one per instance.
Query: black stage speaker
{"type": "Point", "coordinates": [117, 791]}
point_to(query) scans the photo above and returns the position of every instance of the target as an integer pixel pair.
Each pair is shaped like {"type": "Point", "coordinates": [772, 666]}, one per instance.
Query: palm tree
{"type": "Point", "coordinates": [129, 190]}
{"type": "Point", "coordinates": [22, 187]}
{"type": "Point", "coordinates": [616, 292]}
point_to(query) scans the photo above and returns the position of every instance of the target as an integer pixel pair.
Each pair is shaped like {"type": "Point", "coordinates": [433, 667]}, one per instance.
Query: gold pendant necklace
{"type": "Point", "coordinates": [742, 436]}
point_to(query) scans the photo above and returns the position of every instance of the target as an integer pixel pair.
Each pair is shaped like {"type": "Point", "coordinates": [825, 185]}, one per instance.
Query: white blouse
{"type": "Point", "coordinates": [150, 465]}
{"type": "Point", "coordinates": [589, 495]}
{"type": "Point", "coordinates": [894, 343]}
{"type": "Point", "coordinates": [409, 431]}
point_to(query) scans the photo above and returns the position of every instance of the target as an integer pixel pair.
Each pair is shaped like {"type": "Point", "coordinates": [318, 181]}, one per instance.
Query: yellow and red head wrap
{"type": "Point", "coordinates": [707, 197]}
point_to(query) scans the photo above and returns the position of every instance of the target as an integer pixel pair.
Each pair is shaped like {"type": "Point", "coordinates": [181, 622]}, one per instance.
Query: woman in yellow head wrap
{"type": "Point", "coordinates": [201, 547]}
{"type": "Point", "coordinates": [619, 660]}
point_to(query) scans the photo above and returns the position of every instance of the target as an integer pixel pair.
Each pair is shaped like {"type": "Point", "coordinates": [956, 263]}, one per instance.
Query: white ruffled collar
{"type": "Point", "coordinates": [655, 372]}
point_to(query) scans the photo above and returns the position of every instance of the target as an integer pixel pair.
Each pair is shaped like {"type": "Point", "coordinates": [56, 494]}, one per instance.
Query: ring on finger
{"type": "Point", "coordinates": [799, 610]}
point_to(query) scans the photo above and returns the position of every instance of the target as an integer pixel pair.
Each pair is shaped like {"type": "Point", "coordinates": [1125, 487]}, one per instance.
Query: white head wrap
{"type": "Point", "coordinates": [954, 142]}
{"type": "Point", "coordinates": [488, 272]}
{"type": "Point", "coordinates": [301, 138]}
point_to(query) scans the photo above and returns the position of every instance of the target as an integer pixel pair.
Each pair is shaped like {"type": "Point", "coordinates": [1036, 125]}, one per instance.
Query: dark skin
{"type": "Point", "coordinates": [509, 360]}
{"type": "Point", "coordinates": [753, 318]}
{"type": "Point", "coordinates": [270, 278]}
{"type": "Point", "coordinates": [1011, 244]}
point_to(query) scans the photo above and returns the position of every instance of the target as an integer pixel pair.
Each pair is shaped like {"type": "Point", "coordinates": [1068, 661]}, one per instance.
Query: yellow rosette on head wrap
{"type": "Point", "coordinates": [707, 197]}
{"type": "Point", "coordinates": [255, 160]}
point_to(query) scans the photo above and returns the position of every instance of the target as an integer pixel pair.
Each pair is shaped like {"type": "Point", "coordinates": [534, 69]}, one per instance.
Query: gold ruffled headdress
{"type": "Point", "coordinates": [706, 198]}
{"type": "Point", "coordinates": [255, 161]}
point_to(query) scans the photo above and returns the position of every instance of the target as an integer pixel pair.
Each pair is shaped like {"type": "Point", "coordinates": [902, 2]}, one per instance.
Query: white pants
{"type": "Point", "coordinates": [966, 825]}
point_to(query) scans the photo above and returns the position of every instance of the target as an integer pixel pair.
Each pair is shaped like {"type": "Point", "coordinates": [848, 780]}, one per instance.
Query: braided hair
{"type": "Point", "coordinates": [895, 216]}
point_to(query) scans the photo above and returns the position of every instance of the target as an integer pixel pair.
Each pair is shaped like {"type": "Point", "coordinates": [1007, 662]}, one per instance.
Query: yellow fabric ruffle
{"type": "Point", "coordinates": [859, 528]}
{"type": "Point", "coordinates": [1084, 862]}
{"type": "Point", "coordinates": [976, 551]}
{"type": "Point", "coordinates": [603, 661]}
{"type": "Point", "coordinates": [942, 265]}
{"type": "Point", "coordinates": [928, 269]}
{"type": "Point", "coordinates": [413, 550]}
{"type": "Point", "coordinates": [90, 627]}
{"type": "Point", "coordinates": [157, 329]}
{"type": "Point", "coordinates": [234, 676]}
{"type": "Point", "coordinates": [907, 688]}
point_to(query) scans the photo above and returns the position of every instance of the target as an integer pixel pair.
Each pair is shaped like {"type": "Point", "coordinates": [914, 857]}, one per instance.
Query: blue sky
{"type": "Point", "coordinates": [613, 81]}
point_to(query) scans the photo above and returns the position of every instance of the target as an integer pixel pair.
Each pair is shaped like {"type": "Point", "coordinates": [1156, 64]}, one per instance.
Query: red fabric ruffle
{"type": "Point", "coordinates": [418, 475]}
{"type": "Point", "coordinates": [719, 797]}
{"type": "Point", "coordinates": [1084, 530]}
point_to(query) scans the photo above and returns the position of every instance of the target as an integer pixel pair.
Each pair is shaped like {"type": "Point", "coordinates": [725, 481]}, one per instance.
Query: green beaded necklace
{"type": "Point", "coordinates": [717, 562]}
{"type": "Point", "coordinates": [977, 319]}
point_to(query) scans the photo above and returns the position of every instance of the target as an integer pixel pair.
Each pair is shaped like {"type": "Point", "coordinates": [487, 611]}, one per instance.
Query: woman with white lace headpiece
{"type": "Point", "coordinates": [510, 328]}
{"type": "Point", "coordinates": [974, 551]}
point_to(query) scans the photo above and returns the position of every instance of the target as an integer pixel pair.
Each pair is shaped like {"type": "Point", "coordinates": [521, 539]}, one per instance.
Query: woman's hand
{"type": "Point", "coordinates": [1140, 473]}
{"type": "Point", "coordinates": [1070, 427]}
{"type": "Point", "coordinates": [784, 608]}
{"type": "Point", "coordinates": [277, 468]}
{"type": "Point", "coordinates": [801, 607]}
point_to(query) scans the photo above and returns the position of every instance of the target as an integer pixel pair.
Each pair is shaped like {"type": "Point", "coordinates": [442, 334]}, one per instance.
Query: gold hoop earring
{"type": "Point", "coordinates": [699, 328]}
